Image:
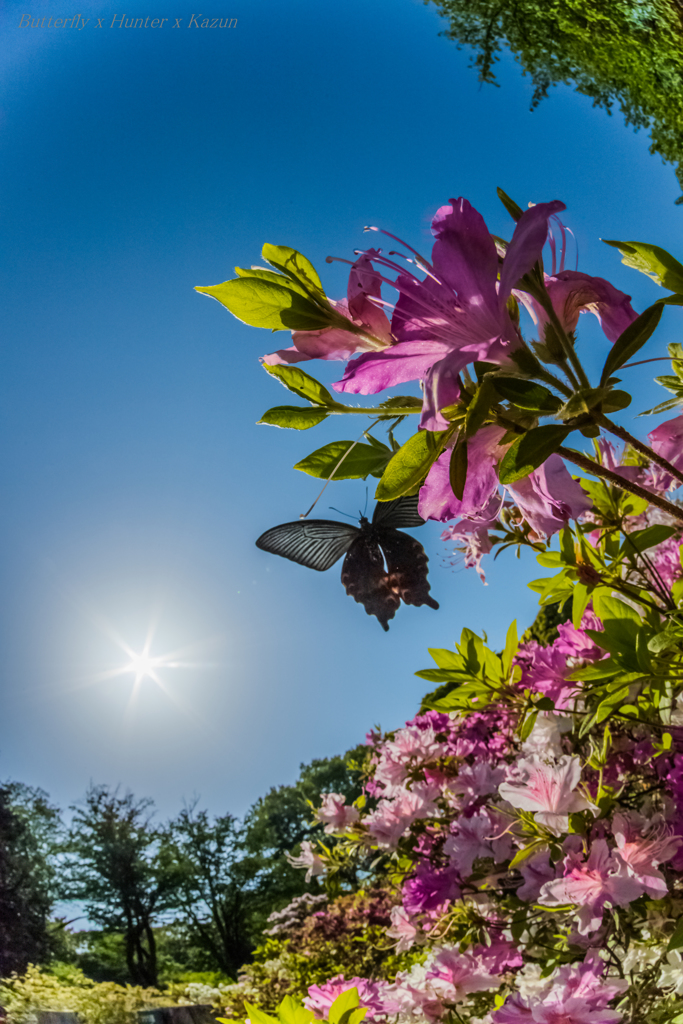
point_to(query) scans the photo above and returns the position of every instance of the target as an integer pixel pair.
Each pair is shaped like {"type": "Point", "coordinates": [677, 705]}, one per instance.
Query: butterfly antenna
{"type": "Point", "coordinates": [348, 451]}
{"type": "Point", "coordinates": [347, 514]}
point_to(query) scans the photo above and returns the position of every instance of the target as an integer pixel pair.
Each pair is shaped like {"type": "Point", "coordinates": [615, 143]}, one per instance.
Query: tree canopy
{"type": "Point", "coordinates": [627, 52]}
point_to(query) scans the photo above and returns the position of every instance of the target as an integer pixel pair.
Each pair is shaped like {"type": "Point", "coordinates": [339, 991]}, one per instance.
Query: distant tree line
{"type": "Point", "coordinates": [628, 52]}
{"type": "Point", "coordinates": [192, 894]}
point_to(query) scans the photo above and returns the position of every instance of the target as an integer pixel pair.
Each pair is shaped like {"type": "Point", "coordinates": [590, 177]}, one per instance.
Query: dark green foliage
{"type": "Point", "coordinates": [544, 627]}
{"type": "Point", "coordinates": [218, 889]}
{"type": "Point", "coordinates": [123, 873]}
{"type": "Point", "coordinates": [28, 830]}
{"type": "Point", "coordinates": [628, 52]}
{"type": "Point", "coordinates": [282, 819]}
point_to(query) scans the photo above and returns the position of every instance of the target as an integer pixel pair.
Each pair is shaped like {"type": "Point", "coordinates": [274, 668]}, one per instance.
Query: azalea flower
{"type": "Point", "coordinates": [479, 501]}
{"type": "Point", "coordinates": [403, 929]}
{"type": "Point", "coordinates": [430, 889]}
{"type": "Point", "coordinates": [549, 497]}
{"type": "Point", "coordinates": [375, 995]}
{"type": "Point", "coordinates": [591, 884]}
{"type": "Point", "coordinates": [335, 342]}
{"type": "Point", "coordinates": [667, 440]}
{"type": "Point", "coordinates": [573, 994]}
{"type": "Point", "coordinates": [641, 848]}
{"type": "Point", "coordinates": [547, 789]}
{"type": "Point", "coordinates": [335, 814]}
{"type": "Point", "coordinates": [308, 859]}
{"type": "Point", "coordinates": [458, 313]}
{"type": "Point", "coordinates": [473, 541]}
{"type": "Point", "coordinates": [454, 975]}
{"type": "Point", "coordinates": [572, 293]}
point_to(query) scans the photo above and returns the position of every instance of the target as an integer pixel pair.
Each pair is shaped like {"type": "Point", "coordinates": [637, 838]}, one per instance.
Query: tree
{"type": "Point", "coordinates": [216, 893]}
{"type": "Point", "coordinates": [122, 872]}
{"type": "Point", "coordinates": [282, 819]}
{"type": "Point", "coordinates": [29, 827]}
{"type": "Point", "coordinates": [628, 52]}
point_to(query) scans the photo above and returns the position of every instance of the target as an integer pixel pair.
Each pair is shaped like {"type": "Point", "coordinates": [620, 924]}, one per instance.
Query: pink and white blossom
{"type": "Point", "coordinates": [335, 814]}
{"type": "Point", "coordinates": [546, 789]}
{"type": "Point", "coordinates": [308, 859]}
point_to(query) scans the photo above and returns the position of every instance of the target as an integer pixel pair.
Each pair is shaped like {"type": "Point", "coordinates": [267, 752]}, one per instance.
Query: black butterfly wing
{"type": "Point", "coordinates": [406, 567]}
{"type": "Point", "coordinates": [365, 578]}
{"type": "Point", "coordinates": [401, 513]}
{"type": "Point", "coordinates": [315, 543]}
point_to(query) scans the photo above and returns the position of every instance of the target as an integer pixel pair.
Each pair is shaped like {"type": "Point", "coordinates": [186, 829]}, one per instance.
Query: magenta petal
{"type": "Point", "coordinates": [285, 356]}
{"type": "Point", "coordinates": [437, 500]}
{"type": "Point", "coordinates": [365, 281]}
{"type": "Point", "coordinates": [442, 388]}
{"type": "Point", "coordinates": [572, 292]}
{"type": "Point", "coordinates": [374, 371]}
{"type": "Point", "coordinates": [527, 244]}
{"type": "Point", "coordinates": [548, 498]}
{"type": "Point", "coordinates": [667, 440]}
{"type": "Point", "coordinates": [464, 254]}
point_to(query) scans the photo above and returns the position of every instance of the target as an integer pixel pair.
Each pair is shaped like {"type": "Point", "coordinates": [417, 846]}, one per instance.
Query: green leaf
{"type": "Point", "coordinates": [295, 266]}
{"type": "Point", "coordinates": [631, 340]}
{"type": "Point", "coordinates": [294, 417]}
{"type": "Point", "coordinates": [410, 465]}
{"type": "Point", "coordinates": [509, 204]}
{"type": "Point", "coordinates": [457, 468]}
{"type": "Point", "coordinates": [525, 853]}
{"type": "Point", "coordinates": [478, 409]}
{"type": "Point", "coordinates": [269, 275]}
{"type": "Point", "coordinates": [650, 259]}
{"type": "Point", "coordinates": [263, 303]}
{"type": "Point", "coordinates": [362, 461]}
{"type": "Point", "coordinates": [530, 451]}
{"type": "Point", "coordinates": [302, 384]}
{"type": "Point", "coordinates": [292, 1012]}
{"type": "Point", "coordinates": [257, 1016]}
{"type": "Point", "coordinates": [511, 645]}
{"type": "Point", "coordinates": [676, 940]}
{"type": "Point", "coordinates": [641, 540]}
{"type": "Point", "coordinates": [526, 394]}
{"type": "Point", "coordinates": [348, 1000]}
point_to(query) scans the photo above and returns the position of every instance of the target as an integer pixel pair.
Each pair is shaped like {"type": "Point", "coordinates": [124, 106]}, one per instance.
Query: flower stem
{"type": "Point", "coordinates": [629, 439]}
{"type": "Point", "coordinates": [385, 414]}
{"type": "Point", "coordinates": [617, 481]}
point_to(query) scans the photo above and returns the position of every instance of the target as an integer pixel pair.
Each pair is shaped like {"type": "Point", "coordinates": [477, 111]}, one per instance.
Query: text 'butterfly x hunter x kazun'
{"type": "Point", "coordinates": [382, 567]}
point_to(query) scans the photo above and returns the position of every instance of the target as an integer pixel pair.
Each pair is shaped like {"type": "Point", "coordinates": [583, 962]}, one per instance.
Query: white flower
{"type": "Point", "coordinates": [671, 975]}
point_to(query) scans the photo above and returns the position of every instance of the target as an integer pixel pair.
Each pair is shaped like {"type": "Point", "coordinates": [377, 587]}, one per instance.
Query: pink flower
{"type": "Point", "coordinates": [548, 498]}
{"type": "Point", "coordinates": [391, 818]}
{"type": "Point", "coordinates": [573, 994]}
{"type": "Point", "coordinates": [309, 859]}
{"type": "Point", "coordinates": [335, 814]}
{"type": "Point", "coordinates": [536, 871]}
{"type": "Point", "coordinates": [641, 848]}
{"type": "Point", "coordinates": [375, 995]}
{"type": "Point", "coordinates": [335, 342]}
{"type": "Point", "coordinates": [591, 884]}
{"type": "Point", "coordinates": [545, 789]}
{"type": "Point", "coordinates": [429, 890]}
{"type": "Point", "coordinates": [474, 781]}
{"type": "Point", "coordinates": [667, 440]}
{"type": "Point", "coordinates": [402, 929]}
{"type": "Point", "coordinates": [454, 975]}
{"type": "Point", "coordinates": [473, 839]}
{"type": "Point", "coordinates": [473, 541]}
{"type": "Point", "coordinates": [458, 313]}
{"type": "Point", "coordinates": [437, 500]}
{"type": "Point", "coordinates": [572, 292]}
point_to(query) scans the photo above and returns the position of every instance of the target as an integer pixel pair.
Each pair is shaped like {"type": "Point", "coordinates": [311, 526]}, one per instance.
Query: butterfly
{"type": "Point", "coordinates": [383, 566]}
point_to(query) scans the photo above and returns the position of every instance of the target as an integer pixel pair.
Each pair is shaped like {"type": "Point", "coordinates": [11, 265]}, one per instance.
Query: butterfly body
{"type": "Point", "coordinates": [382, 566]}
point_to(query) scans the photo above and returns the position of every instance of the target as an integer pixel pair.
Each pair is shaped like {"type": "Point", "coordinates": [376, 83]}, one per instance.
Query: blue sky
{"type": "Point", "coordinates": [134, 481]}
